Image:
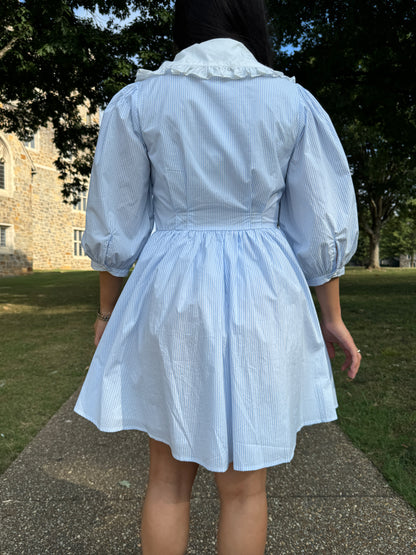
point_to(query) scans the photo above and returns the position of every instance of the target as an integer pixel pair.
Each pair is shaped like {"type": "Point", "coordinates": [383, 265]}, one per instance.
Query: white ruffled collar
{"type": "Point", "coordinates": [222, 57]}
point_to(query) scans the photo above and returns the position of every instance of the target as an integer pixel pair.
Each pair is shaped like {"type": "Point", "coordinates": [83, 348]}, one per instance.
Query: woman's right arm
{"type": "Point", "coordinates": [333, 328]}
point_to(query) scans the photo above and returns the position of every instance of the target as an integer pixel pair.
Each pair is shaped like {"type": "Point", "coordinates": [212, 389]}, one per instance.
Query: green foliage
{"type": "Point", "coordinates": [53, 62]}
{"type": "Point", "coordinates": [358, 58]}
{"type": "Point", "coordinates": [399, 235]}
{"type": "Point", "coordinates": [361, 257]}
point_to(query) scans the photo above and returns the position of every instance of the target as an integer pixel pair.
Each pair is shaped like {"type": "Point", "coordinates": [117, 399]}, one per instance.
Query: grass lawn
{"type": "Point", "coordinates": [378, 408]}
{"type": "Point", "coordinates": [46, 324]}
{"type": "Point", "coordinates": [46, 344]}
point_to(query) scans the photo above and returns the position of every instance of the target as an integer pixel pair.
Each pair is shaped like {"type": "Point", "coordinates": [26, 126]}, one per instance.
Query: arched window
{"type": "Point", "coordinates": [2, 173]}
{"type": "Point", "coordinates": [6, 169]}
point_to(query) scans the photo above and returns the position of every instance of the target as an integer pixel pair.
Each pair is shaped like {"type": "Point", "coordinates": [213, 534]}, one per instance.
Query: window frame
{"type": "Point", "coordinates": [82, 203]}
{"type": "Point", "coordinates": [7, 159]}
{"type": "Point", "coordinates": [8, 248]}
{"type": "Point", "coordinates": [35, 140]}
{"type": "Point", "coordinates": [75, 251]}
{"type": "Point", "coordinates": [3, 170]}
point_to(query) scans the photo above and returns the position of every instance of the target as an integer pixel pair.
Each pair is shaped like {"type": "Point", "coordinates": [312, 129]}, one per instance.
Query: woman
{"type": "Point", "coordinates": [214, 347]}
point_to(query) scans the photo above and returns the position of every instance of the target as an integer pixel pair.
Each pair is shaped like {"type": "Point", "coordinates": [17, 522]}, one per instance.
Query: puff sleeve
{"type": "Point", "coordinates": [318, 212]}
{"type": "Point", "coordinates": [119, 216]}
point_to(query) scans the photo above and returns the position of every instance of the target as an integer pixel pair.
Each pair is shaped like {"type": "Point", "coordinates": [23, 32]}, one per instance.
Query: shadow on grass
{"type": "Point", "coordinates": [50, 289]}
{"type": "Point", "coordinates": [47, 321]}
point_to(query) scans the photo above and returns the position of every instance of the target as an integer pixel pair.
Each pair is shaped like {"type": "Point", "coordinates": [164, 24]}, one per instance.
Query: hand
{"type": "Point", "coordinates": [99, 328]}
{"type": "Point", "coordinates": [336, 332]}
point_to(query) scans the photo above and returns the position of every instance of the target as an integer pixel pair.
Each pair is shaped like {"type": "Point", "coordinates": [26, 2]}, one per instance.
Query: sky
{"type": "Point", "coordinates": [100, 19]}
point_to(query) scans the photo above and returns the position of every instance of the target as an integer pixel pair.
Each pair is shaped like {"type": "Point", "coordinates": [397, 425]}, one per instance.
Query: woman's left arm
{"type": "Point", "coordinates": [110, 289]}
{"type": "Point", "coordinates": [318, 208]}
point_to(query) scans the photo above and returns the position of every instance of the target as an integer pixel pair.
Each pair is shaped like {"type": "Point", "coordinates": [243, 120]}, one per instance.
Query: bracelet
{"type": "Point", "coordinates": [103, 317]}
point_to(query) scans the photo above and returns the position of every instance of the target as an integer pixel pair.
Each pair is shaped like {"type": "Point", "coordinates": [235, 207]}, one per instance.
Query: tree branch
{"type": "Point", "coordinates": [8, 47]}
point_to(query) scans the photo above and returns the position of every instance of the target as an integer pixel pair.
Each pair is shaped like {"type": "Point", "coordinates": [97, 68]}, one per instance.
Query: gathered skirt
{"type": "Point", "coordinates": [214, 348]}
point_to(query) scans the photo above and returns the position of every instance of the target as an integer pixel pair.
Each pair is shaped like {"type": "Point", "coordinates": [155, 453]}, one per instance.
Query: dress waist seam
{"type": "Point", "coordinates": [263, 226]}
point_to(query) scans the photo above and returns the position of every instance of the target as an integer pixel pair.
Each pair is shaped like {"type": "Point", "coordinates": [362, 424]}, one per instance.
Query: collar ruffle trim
{"type": "Point", "coordinates": [224, 58]}
{"type": "Point", "coordinates": [206, 72]}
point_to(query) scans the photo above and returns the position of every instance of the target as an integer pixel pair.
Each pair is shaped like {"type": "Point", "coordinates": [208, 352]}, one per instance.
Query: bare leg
{"type": "Point", "coordinates": [165, 515]}
{"type": "Point", "coordinates": [242, 527]}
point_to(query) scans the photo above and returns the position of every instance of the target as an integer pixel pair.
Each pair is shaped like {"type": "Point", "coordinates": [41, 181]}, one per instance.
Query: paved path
{"type": "Point", "coordinates": [63, 495]}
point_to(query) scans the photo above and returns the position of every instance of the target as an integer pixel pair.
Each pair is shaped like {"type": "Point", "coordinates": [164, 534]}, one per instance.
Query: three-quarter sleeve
{"type": "Point", "coordinates": [318, 212]}
{"type": "Point", "coordinates": [119, 217]}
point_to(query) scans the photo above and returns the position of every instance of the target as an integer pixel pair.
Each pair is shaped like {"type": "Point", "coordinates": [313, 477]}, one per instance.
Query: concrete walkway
{"type": "Point", "coordinates": [76, 490]}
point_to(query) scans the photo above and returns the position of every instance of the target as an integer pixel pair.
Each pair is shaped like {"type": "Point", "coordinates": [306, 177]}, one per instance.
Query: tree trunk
{"type": "Point", "coordinates": [379, 211]}
{"type": "Point", "coordinates": [374, 251]}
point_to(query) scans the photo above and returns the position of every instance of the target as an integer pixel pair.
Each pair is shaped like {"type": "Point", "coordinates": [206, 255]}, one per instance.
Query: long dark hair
{"type": "Point", "coordinates": [242, 20]}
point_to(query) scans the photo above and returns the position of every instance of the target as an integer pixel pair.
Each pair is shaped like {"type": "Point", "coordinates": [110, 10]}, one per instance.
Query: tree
{"type": "Point", "coordinates": [383, 182]}
{"type": "Point", "coordinates": [358, 58]}
{"type": "Point", "coordinates": [53, 62]}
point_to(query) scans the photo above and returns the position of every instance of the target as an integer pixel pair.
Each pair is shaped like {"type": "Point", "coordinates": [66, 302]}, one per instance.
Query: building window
{"type": "Point", "coordinates": [78, 250]}
{"type": "Point", "coordinates": [6, 169]}
{"type": "Point", "coordinates": [6, 238]}
{"type": "Point", "coordinates": [2, 175]}
{"type": "Point", "coordinates": [82, 203]}
{"type": "Point", "coordinates": [31, 143]}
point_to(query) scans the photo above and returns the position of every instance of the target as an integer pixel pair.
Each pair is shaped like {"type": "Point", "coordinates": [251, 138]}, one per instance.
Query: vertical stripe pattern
{"type": "Point", "coordinates": [214, 346]}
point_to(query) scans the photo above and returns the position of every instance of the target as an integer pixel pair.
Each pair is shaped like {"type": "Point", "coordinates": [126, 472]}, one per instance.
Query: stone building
{"type": "Point", "coordinates": [408, 261]}
{"type": "Point", "coordinates": [37, 230]}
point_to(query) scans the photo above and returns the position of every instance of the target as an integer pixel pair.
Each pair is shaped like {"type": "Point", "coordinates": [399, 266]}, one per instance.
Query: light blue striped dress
{"type": "Point", "coordinates": [214, 346]}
